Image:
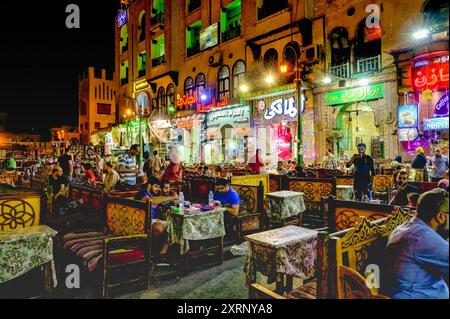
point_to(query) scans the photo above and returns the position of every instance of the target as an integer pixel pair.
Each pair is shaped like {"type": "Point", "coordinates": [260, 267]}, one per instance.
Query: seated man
{"type": "Point", "coordinates": [280, 169]}
{"type": "Point", "coordinates": [159, 227]}
{"type": "Point", "coordinates": [111, 178]}
{"type": "Point", "coordinates": [60, 202]}
{"type": "Point", "coordinates": [400, 192]}
{"type": "Point", "coordinates": [227, 196]}
{"type": "Point", "coordinates": [418, 254]}
{"type": "Point", "coordinates": [166, 191]}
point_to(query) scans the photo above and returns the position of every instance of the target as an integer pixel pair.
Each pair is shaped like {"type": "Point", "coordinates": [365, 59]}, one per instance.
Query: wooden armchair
{"type": "Point", "coordinates": [314, 190]}
{"type": "Point", "coordinates": [345, 214]}
{"type": "Point", "coordinates": [250, 215]}
{"type": "Point", "coordinates": [122, 251]}
{"type": "Point", "coordinates": [199, 188]}
{"type": "Point", "coordinates": [380, 186]}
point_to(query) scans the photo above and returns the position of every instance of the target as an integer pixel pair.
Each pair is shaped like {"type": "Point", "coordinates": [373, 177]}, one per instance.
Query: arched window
{"type": "Point", "coordinates": [366, 47]}
{"type": "Point", "coordinates": [291, 53]}
{"type": "Point", "coordinates": [224, 82]}
{"type": "Point", "coordinates": [200, 83]}
{"type": "Point", "coordinates": [340, 48]}
{"type": "Point", "coordinates": [141, 28]}
{"type": "Point", "coordinates": [271, 59]}
{"type": "Point", "coordinates": [161, 98]}
{"type": "Point", "coordinates": [238, 76]}
{"type": "Point", "coordinates": [189, 86]}
{"type": "Point", "coordinates": [170, 94]}
{"type": "Point", "coordinates": [189, 89]}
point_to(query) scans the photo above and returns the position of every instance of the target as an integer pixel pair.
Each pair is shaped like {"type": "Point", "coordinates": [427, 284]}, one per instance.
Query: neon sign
{"type": "Point", "coordinates": [431, 75]}
{"type": "Point", "coordinates": [282, 107]}
{"type": "Point", "coordinates": [441, 108]}
{"type": "Point", "coordinates": [438, 123]}
{"type": "Point", "coordinates": [213, 105]}
{"type": "Point", "coordinates": [186, 99]}
{"type": "Point", "coordinates": [122, 18]}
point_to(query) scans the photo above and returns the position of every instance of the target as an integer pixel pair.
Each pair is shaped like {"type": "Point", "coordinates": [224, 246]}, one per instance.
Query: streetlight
{"type": "Point", "coordinates": [421, 34]}
{"type": "Point", "coordinates": [244, 88]}
{"type": "Point", "coordinates": [326, 80]}
{"type": "Point", "coordinates": [363, 82]}
{"type": "Point", "coordinates": [269, 79]}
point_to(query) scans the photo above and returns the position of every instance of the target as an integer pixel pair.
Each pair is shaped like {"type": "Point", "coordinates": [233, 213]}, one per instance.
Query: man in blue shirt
{"type": "Point", "coordinates": [227, 196]}
{"type": "Point", "coordinates": [419, 255]}
{"type": "Point", "coordinates": [439, 165]}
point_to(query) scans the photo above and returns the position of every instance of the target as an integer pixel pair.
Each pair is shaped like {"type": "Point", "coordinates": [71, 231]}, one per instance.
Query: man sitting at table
{"type": "Point", "coordinates": [418, 253]}
{"type": "Point", "coordinates": [401, 191]}
{"type": "Point", "coordinates": [159, 227]}
{"type": "Point", "coordinates": [227, 196]}
{"type": "Point", "coordinates": [60, 202]}
{"type": "Point", "coordinates": [166, 191]}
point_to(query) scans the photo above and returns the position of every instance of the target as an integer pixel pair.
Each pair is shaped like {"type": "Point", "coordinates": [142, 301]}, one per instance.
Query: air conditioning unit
{"type": "Point", "coordinates": [215, 60]}
{"type": "Point", "coordinates": [312, 54]}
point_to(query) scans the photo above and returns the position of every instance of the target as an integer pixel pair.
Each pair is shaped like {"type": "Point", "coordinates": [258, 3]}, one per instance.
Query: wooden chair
{"type": "Point", "coordinates": [380, 186]}
{"type": "Point", "coordinates": [249, 219]}
{"type": "Point", "coordinates": [342, 260]}
{"type": "Point", "coordinates": [351, 252]}
{"type": "Point", "coordinates": [345, 214]}
{"type": "Point", "coordinates": [122, 251]}
{"type": "Point", "coordinates": [314, 190]}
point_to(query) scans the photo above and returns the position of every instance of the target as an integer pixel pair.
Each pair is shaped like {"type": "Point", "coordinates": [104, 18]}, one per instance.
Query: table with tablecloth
{"type": "Point", "coordinates": [345, 192]}
{"type": "Point", "coordinates": [290, 251]}
{"type": "Point", "coordinates": [198, 226]}
{"type": "Point", "coordinates": [284, 204]}
{"type": "Point", "coordinates": [22, 250]}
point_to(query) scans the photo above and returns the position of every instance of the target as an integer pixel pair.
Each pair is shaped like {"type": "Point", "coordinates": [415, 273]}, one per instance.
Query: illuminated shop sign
{"type": "Point", "coordinates": [441, 108]}
{"type": "Point", "coordinates": [231, 116]}
{"type": "Point", "coordinates": [430, 74]}
{"type": "Point", "coordinates": [209, 37]}
{"type": "Point", "coordinates": [280, 107]}
{"type": "Point", "coordinates": [438, 123]}
{"type": "Point", "coordinates": [407, 134]}
{"type": "Point", "coordinates": [122, 18]}
{"type": "Point", "coordinates": [365, 93]}
{"type": "Point", "coordinates": [213, 105]}
{"type": "Point", "coordinates": [407, 116]}
{"type": "Point", "coordinates": [186, 99]}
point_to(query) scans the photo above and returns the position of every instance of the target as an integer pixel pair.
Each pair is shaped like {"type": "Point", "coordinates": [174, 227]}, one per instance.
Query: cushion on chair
{"type": "Point", "coordinates": [307, 291]}
{"type": "Point", "coordinates": [122, 256]}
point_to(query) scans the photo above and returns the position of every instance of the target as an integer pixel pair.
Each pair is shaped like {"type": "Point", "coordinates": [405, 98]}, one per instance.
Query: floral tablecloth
{"type": "Point", "coordinates": [345, 192]}
{"type": "Point", "coordinates": [284, 204]}
{"type": "Point", "coordinates": [22, 250]}
{"type": "Point", "coordinates": [289, 250]}
{"type": "Point", "coordinates": [199, 226]}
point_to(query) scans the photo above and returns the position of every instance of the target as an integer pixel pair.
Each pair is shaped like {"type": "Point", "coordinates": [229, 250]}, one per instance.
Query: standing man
{"type": "Point", "coordinates": [66, 164]}
{"type": "Point", "coordinates": [439, 165]}
{"type": "Point", "coordinates": [127, 165]}
{"type": "Point", "coordinates": [364, 171]}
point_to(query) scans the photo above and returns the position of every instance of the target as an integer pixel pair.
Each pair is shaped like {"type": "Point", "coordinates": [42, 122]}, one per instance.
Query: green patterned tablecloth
{"type": "Point", "coordinates": [284, 204]}
{"type": "Point", "coordinates": [201, 226]}
{"type": "Point", "coordinates": [289, 250]}
{"type": "Point", "coordinates": [22, 250]}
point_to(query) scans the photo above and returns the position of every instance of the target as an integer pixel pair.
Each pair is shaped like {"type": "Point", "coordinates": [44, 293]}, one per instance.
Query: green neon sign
{"type": "Point", "coordinates": [370, 92]}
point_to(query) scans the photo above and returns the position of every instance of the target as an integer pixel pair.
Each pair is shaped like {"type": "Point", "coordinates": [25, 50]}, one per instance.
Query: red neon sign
{"type": "Point", "coordinates": [186, 99]}
{"type": "Point", "coordinates": [431, 74]}
{"type": "Point", "coordinates": [213, 105]}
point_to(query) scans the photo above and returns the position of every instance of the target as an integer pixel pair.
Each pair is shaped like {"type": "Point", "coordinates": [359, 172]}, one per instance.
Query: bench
{"type": "Point", "coordinates": [120, 254]}
{"type": "Point", "coordinates": [342, 262]}
{"type": "Point", "coordinates": [314, 190]}
{"type": "Point", "coordinates": [345, 214]}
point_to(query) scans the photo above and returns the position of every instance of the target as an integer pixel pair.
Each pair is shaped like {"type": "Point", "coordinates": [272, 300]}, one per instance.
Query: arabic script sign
{"type": "Point", "coordinates": [430, 74]}
{"type": "Point", "coordinates": [370, 92]}
{"type": "Point", "coordinates": [441, 108]}
{"type": "Point", "coordinates": [282, 107]}
{"type": "Point", "coordinates": [235, 115]}
{"type": "Point", "coordinates": [438, 123]}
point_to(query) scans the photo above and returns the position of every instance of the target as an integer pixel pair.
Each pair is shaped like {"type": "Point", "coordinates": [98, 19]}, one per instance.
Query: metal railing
{"type": "Point", "coordinates": [368, 64]}
{"type": "Point", "coordinates": [341, 71]}
{"type": "Point", "coordinates": [158, 61]}
{"type": "Point", "coordinates": [231, 33]}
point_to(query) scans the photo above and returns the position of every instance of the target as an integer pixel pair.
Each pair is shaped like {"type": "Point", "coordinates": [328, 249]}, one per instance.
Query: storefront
{"type": "Point", "coordinates": [188, 134]}
{"type": "Point", "coordinates": [227, 130]}
{"type": "Point", "coordinates": [159, 137]}
{"type": "Point", "coordinates": [357, 113]}
{"type": "Point", "coordinates": [423, 119]}
{"type": "Point", "coordinates": [276, 124]}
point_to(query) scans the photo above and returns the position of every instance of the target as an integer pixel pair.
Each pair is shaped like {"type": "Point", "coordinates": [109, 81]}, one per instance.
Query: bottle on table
{"type": "Point", "coordinates": [211, 198]}
{"type": "Point", "coordinates": [181, 202]}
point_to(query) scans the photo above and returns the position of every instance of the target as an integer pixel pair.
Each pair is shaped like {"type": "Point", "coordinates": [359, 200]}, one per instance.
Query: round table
{"type": "Point", "coordinates": [345, 192]}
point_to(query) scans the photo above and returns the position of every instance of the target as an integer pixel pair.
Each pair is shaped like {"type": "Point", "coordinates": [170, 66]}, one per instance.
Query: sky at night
{"type": "Point", "coordinates": [41, 59]}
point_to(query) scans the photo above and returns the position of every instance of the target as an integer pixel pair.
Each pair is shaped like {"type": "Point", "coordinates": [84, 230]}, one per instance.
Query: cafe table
{"type": "Point", "coordinates": [288, 251]}
{"type": "Point", "coordinates": [22, 250]}
{"type": "Point", "coordinates": [345, 192]}
{"type": "Point", "coordinates": [194, 225]}
{"type": "Point", "coordinates": [284, 204]}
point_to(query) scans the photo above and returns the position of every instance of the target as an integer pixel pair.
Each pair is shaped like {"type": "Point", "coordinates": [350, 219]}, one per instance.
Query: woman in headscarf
{"type": "Point", "coordinates": [174, 172]}
{"type": "Point", "coordinates": [420, 162]}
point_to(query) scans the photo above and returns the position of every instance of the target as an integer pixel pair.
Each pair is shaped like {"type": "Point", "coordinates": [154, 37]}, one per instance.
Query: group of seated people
{"type": "Point", "coordinates": [154, 188]}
